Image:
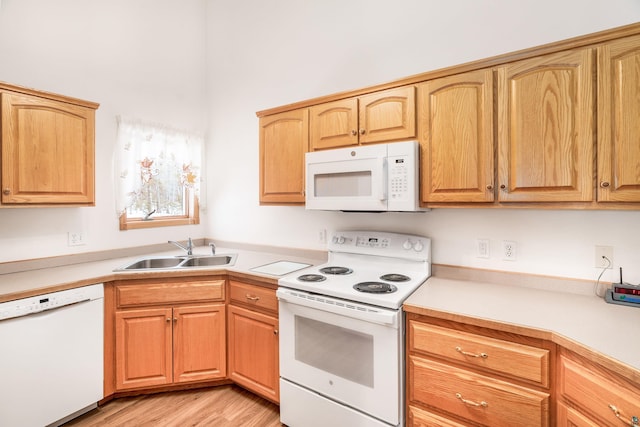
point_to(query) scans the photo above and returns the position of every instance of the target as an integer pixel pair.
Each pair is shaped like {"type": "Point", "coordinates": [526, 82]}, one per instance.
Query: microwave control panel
{"type": "Point", "coordinates": [398, 178]}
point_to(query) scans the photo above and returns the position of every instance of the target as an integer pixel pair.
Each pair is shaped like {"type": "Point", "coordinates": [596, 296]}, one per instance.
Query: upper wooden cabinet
{"type": "Point", "coordinates": [47, 149]}
{"type": "Point", "coordinates": [456, 117]}
{"type": "Point", "coordinates": [618, 121]}
{"type": "Point", "coordinates": [546, 128]}
{"type": "Point", "coordinates": [377, 117]}
{"type": "Point", "coordinates": [284, 138]}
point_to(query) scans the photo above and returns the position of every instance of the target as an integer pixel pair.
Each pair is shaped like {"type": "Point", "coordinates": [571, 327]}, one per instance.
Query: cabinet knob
{"type": "Point", "coordinates": [168, 319]}
{"type": "Point", "coordinates": [489, 187]}
{"type": "Point", "coordinates": [362, 131]}
{"type": "Point", "coordinates": [275, 332]}
{"type": "Point", "coordinates": [6, 191]}
{"type": "Point", "coordinates": [354, 132]}
{"type": "Point", "coordinates": [503, 187]}
{"type": "Point", "coordinates": [603, 184]}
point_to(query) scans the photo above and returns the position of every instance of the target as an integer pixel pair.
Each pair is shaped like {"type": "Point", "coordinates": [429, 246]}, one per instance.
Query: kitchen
{"type": "Point", "coordinates": [205, 66]}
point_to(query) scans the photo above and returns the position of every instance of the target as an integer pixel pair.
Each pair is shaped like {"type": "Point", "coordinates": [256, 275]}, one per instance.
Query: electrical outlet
{"type": "Point", "coordinates": [322, 236]}
{"type": "Point", "coordinates": [602, 254]}
{"type": "Point", "coordinates": [75, 238]}
{"type": "Point", "coordinates": [509, 250]}
{"type": "Point", "coordinates": [482, 248]}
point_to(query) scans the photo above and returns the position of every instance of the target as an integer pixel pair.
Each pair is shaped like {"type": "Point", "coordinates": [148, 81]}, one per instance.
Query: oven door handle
{"type": "Point", "coordinates": [344, 308]}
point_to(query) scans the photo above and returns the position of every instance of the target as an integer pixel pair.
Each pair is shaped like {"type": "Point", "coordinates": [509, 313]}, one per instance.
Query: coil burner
{"type": "Point", "coordinates": [312, 278]}
{"type": "Point", "coordinates": [336, 270]}
{"type": "Point", "coordinates": [375, 287]}
{"type": "Point", "coordinates": [395, 277]}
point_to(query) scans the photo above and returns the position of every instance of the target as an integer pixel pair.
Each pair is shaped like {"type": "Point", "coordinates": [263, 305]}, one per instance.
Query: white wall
{"type": "Point", "coordinates": [138, 58]}
{"type": "Point", "coordinates": [263, 54]}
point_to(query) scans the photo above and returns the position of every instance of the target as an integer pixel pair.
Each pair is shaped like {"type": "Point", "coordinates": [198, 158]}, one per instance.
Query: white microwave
{"type": "Point", "coordinates": [370, 178]}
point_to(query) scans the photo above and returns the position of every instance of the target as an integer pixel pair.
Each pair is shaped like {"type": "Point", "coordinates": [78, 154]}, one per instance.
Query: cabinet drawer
{"type": "Point", "coordinates": [597, 394]}
{"type": "Point", "coordinates": [252, 295]}
{"type": "Point", "coordinates": [476, 397]}
{"type": "Point", "coordinates": [504, 357]}
{"type": "Point", "coordinates": [421, 418]}
{"type": "Point", "coordinates": [169, 293]}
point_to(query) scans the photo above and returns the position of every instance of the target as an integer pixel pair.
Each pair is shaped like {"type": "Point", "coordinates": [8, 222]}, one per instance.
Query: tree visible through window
{"type": "Point", "coordinates": [158, 172]}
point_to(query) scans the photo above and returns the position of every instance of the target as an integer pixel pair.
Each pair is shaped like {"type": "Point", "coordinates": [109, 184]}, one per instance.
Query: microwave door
{"type": "Point", "coordinates": [347, 185]}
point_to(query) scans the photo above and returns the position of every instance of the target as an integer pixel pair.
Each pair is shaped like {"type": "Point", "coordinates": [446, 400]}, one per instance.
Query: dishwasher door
{"type": "Point", "coordinates": [51, 362]}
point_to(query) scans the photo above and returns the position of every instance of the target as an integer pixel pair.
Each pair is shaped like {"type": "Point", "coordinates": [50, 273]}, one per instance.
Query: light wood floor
{"type": "Point", "coordinates": [224, 406]}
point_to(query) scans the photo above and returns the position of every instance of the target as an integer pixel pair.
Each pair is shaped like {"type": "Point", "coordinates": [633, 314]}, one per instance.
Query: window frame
{"type": "Point", "coordinates": [192, 217]}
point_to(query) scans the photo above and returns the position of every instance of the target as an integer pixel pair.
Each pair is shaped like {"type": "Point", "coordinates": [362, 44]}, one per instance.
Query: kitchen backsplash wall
{"type": "Point", "coordinates": [211, 64]}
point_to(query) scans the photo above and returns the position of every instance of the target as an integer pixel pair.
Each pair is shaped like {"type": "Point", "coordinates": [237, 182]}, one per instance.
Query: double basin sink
{"type": "Point", "coordinates": [179, 262]}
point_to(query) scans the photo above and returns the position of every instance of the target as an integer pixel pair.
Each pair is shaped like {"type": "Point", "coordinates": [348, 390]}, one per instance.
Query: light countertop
{"type": "Point", "coordinates": [583, 323]}
{"type": "Point", "coordinates": [43, 280]}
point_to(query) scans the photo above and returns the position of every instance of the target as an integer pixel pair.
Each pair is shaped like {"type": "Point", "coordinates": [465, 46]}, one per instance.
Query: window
{"type": "Point", "coordinates": [159, 175]}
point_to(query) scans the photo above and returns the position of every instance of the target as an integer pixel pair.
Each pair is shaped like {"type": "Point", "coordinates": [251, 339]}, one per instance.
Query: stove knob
{"type": "Point", "coordinates": [340, 240]}
{"type": "Point", "coordinates": [407, 244]}
{"type": "Point", "coordinates": [418, 247]}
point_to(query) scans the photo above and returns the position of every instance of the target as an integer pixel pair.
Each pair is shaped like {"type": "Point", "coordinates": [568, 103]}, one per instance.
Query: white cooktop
{"type": "Point", "coordinates": [370, 255]}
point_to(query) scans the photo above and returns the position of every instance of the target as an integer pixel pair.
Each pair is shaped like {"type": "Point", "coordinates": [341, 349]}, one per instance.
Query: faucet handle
{"type": "Point", "coordinates": [213, 248]}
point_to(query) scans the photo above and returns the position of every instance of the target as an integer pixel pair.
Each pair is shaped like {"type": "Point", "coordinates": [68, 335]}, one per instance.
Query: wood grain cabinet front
{"type": "Point", "coordinates": [377, 117]}
{"type": "Point", "coordinates": [456, 117]}
{"type": "Point", "coordinates": [618, 113]}
{"type": "Point", "coordinates": [591, 395]}
{"type": "Point", "coordinates": [47, 149]}
{"type": "Point", "coordinates": [284, 138]}
{"type": "Point", "coordinates": [465, 378]}
{"type": "Point", "coordinates": [546, 128]}
{"type": "Point", "coordinates": [169, 332]}
{"type": "Point", "coordinates": [253, 339]}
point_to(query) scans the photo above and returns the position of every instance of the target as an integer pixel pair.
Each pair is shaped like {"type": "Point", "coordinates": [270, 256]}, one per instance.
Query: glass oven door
{"type": "Point", "coordinates": [327, 346]}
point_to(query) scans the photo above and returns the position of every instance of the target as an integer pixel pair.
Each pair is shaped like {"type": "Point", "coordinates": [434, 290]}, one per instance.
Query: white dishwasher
{"type": "Point", "coordinates": [51, 356]}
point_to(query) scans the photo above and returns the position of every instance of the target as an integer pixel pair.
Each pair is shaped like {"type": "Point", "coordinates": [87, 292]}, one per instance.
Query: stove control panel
{"type": "Point", "coordinates": [381, 243]}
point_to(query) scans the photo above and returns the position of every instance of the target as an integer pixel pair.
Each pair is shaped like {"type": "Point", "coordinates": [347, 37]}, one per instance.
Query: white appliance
{"type": "Point", "coordinates": [368, 178]}
{"type": "Point", "coordinates": [342, 331]}
{"type": "Point", "coordinates": [51, 356]}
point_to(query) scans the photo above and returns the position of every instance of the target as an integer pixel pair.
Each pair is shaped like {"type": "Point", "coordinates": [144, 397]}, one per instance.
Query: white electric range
{"type": "Point", "coordinates": [342, 331]}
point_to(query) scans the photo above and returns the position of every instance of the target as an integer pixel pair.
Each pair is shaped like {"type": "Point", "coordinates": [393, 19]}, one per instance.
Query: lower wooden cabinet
{"type": "Point", "coordinates": [169, 333]}
{"type": "Point", "coordinates": [253, 339]}
{"type": "Point", "coordinates": [457, 376]}
{"type": "Point", "coordinates": [161, 346]}
{"type": "Point", "coordinates": [590, 395]}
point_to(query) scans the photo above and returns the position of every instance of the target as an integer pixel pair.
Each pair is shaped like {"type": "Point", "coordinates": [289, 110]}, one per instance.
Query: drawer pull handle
{"type": "Point", "coordinates": [471, 402]}
{"type": "Point", "coordinates": [633, 422]}
{"type": "Point", "coordinates": [252, 297]}
{"type": "Point", "coordinates": [466, 353]}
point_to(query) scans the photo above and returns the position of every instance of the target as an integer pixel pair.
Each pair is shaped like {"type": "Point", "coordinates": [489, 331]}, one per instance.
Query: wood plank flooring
{"type": "Point", "coordinates": [223, 406]}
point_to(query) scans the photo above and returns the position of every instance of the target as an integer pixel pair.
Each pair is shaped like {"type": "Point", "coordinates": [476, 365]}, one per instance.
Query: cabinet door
{"type": "Point", "coordinates": [618, 113]}
{"type": "Point", "coordinates": [334, 124]}
{"type": "Point", "coordinates": [546, 129]}
{"type": "Point", "coordinates": [47, 151]}
{"type": "Point", "coordinates": [284, 138]}
{"type": "Point", "coordinates": [199, 343]}
{"type": "Point", "coordinates": [388, 115]}
{"type": "Point", "coordinates": [569, 417]}
{"type": "Point", "coordinates": [456, 114]}
{"type": "Point", "coordinates": [253, 351]}
{"type": "Point", "coordinates": [143, 348]}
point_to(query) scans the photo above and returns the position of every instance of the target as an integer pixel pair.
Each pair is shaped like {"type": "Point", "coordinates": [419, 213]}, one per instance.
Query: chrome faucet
{"type": "Point", "coordinates": [188, 248]}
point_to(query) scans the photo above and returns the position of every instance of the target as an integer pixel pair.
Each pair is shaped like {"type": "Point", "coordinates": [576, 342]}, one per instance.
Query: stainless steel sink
{"type": "Point", "coordinates": [147, 263]}
{"type": "Point", "coordinates": [207, 261]}
{"type": "Point", "coordinates": [180, 262]}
